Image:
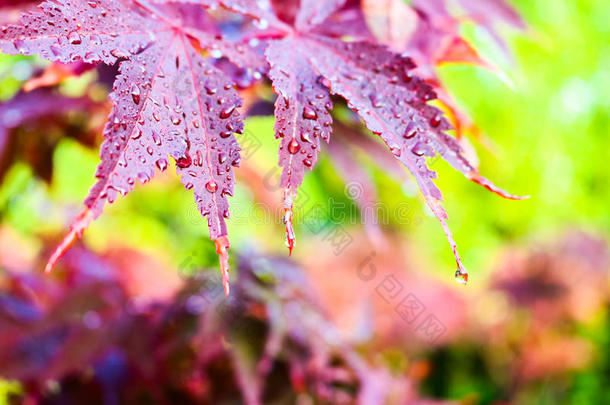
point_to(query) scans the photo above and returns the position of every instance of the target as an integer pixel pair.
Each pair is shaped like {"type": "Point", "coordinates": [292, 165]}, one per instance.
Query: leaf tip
{"type": "Point", "coordinates": [290, 236]}
{"type": "Point", "coordinates": [477, 178]}
{"type": "Point", "coordinates": [76, 230]}
{"type": "Point", "coordinates": [222, 249]}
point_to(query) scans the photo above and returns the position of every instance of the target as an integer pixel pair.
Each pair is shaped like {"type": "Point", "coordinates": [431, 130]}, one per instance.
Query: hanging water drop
{"type": "Point", "coordinates": [461, 276]}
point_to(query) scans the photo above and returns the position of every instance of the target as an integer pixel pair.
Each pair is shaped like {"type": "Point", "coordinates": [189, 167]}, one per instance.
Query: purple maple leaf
{"type": "Point", "coordinates": [170, 101]}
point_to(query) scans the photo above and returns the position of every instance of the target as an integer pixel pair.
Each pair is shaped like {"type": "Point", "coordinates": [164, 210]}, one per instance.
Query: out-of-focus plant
{"type": "Point", "coordinates": [75, 342]}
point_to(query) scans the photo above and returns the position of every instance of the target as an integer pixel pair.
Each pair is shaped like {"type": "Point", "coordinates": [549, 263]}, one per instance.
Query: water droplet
{"type": "Point", "coordinates": [261, 24]}
{"type": "Point", "coordinates": [461, 277]}
{"type": "Point", "coordinates": [143, 177]}
{"type": "Point", "coordinates": [309, 113]}
{"type": "Point", "coordinates": [55, 50]}
{"type": "Point", "coordinates": [19, 45]}
{"type": "Point", "coordinates": [226, 112]}
{"type": "Point", "coordinates": [435, 121]}
{"type": "Point", "coordinates": [156, 138]}
{"type": "Point", "coordinates": [305, 137]}
{"type": "Point", "coordinates": [189, 186]}
{"type": "Point", "coordinates": [419, 149]}
{"type": "Point", "coordinates": [427, 96]}
{"type": "Point", "coordinates": [307, 162]}
{"type": "Point", "coordinates": [410, 132]}
{"type": "Point", "coordinates": [161, 164]}
{"type": "Point", "coordinates": [184, 162]}
{"type": "Point", "coordinates": [176, 120]}
{"type": "Point", "coordinates": [294, 147]}
{"type": "Point", "coordinates": [211, 186]}
{"type": "Point", "coordinates": [377, 103]}
{"type": "Point", "coordinates": [74, 38]}
{"type": "Point", "coordinates": [135, 94]}
{"type": "Point", "coordinates": [119, 54]}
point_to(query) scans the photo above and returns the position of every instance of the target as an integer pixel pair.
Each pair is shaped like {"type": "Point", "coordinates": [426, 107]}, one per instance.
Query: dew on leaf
{"type": "Point", "coordinates": [161, 164]}
{"type": "Point", "coordinates": [226, 112]}
{"type": "Point", "coordinates": [74, 38]}
{"type": "Point", "coordinates": [294, 147]}
{"type": "Point", "coordinates": [184, 162]}
{"type": "Point", "coordinates": [135, 93]}
{"type": "Point", "coordinates": [211, 186]}
{"type": "Point", "coordinates": [309, 113]}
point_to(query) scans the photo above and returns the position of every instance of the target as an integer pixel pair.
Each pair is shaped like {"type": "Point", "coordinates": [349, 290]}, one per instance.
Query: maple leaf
{"type": "Point", "coordinates": [377, 84]}
{"type": "Point", "coordinates": [393, 104]}
{"type": "Point", "coordinates": [168, 101]}
{"type": "Point", "coordinates": [302, 118]}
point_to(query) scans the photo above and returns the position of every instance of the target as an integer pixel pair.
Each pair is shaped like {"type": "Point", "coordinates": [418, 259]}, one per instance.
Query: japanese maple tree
{"type": "Point", "coordinates": [172, 99]}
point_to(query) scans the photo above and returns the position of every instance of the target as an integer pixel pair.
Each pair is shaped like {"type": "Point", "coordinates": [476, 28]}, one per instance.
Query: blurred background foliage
{"type": "Point", "coordinates": [513, 334]}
